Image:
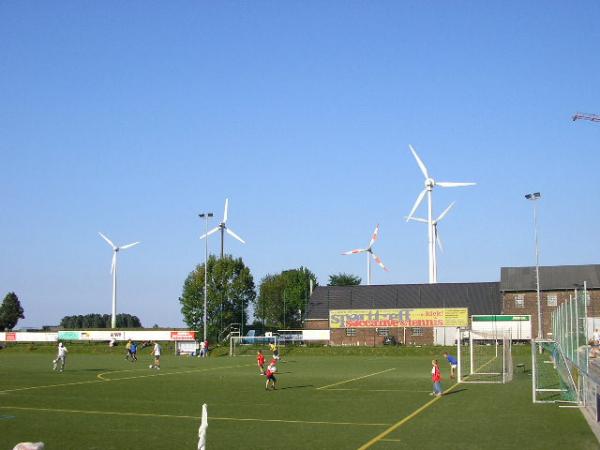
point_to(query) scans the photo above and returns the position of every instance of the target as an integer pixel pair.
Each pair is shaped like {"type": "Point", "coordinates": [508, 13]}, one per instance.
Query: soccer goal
{"type": "Point", "coordinates": [552, 377]}
{"type": "Point", "coordinates": [486, 357]}
{"type": "Point", "coordinates": [240, 344]}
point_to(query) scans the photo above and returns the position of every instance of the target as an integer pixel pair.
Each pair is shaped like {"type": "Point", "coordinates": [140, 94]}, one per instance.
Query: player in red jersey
{"type": "Point", "coordinates": [260, 361]}
{"type": "Point", "coordinates": [270, 373]}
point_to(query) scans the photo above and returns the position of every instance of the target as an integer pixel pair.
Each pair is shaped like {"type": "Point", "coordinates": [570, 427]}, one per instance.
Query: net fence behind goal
{"type": "Point", "coordinates": [486, 357]}
{"type": "Point", "coordinates": [553, 378]}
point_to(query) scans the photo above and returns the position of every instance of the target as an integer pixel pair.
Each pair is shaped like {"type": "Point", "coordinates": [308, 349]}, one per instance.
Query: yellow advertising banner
{"type": "Point", "coordinates": [405, 317]}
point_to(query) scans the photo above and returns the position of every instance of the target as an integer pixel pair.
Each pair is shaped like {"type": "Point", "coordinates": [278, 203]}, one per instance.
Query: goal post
{"type": "Point", "coordinates": [239, 344]}
{"type": "Point", "coordinates": [486, 357]}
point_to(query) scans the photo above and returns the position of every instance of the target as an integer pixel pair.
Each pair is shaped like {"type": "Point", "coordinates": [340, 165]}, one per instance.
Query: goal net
{"type": "Point", "coordinates": [239, 345]}
{"type": "Point", "coordinates": [486, 357]}
{"type": "Point", "coordinates": [552, 377]}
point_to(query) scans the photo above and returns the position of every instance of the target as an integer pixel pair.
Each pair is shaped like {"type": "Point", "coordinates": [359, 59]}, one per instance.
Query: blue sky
{"type": "Point", "coordinates": [130, 118]}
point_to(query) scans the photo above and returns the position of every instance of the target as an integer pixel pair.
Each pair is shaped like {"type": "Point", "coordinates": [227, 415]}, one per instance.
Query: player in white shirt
{"type": "Point", "coordinates": [61, 357]}
{"type": "Point", "coordinates": [156, 352]}
{"type": "Point", "coordinates": [596, 337]}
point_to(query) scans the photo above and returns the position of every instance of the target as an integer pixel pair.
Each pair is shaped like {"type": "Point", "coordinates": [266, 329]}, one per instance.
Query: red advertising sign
{"type": "Point", "coordinates": [11, 336]}
{"type": "Point", "coordinates": [183, 335]}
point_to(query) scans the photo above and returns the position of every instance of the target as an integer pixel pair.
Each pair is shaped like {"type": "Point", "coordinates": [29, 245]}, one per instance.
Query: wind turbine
{"type": "Point", "coordinates": [370, 254]}
{"type": "Point", "coordinates": [430, 183]}
{"type": "Point", "coordinates": [113, 270]}
{"type": "Point", "coordinates": [436, 235]}
{"type": "Point", "coordinates": [224, 229]}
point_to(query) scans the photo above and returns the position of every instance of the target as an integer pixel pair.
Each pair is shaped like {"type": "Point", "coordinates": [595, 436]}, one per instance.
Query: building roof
{"type": "Point", "coordinates": [552, 278]}
{"type": "Point", "coordinates": [479, 298]}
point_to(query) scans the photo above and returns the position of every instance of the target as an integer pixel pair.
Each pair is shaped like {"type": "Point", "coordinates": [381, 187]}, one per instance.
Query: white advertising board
{"type": "Point", "coordinates": [315, 335]}
{"type": "Point", "coordinates": [98, 335]}
{"type": "Point", "coordinates": [519, 325]}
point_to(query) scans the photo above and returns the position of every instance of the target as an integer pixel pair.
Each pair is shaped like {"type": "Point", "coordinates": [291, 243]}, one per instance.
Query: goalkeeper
{"type": "Point", "coordinates": [453, 363]}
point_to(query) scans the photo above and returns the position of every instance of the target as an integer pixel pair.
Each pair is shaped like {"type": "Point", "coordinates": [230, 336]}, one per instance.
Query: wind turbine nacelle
{"type": "Point", "coordinates": [429, 183]}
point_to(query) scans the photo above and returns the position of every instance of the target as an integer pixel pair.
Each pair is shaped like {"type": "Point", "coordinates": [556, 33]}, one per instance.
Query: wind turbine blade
{"type": "Point", "coordinates": [379, 262]}
{"type": "Point", "coordinates": [442, 215]}
{"type": "Point", "coordinates": [125, 247]}
{"type": "Point", "coordinates": [107, 240]}
{"type": "Point", "coordinates": [439, 240]}
{"type": "Point", "coordinates": [419, 162]}
{"type": "Point", "coordinates": [355, 251]}
{"type": "Point", "coordinates": [214, 230]}
{"type": "Point", "coordinates": [226, 209]}
{"type": "Point", "coordinates": [417, 203]}
{"type": "Point", "coordinates": [415, 219]}
{"type": "Point", "coordinates": [231, 233]}
{"type": "Point", "coordinates": [114, 262]}
{"type": "Point", "coordinates": [453, 184]}
{"type": "Point", "coordinates": [374, 237]}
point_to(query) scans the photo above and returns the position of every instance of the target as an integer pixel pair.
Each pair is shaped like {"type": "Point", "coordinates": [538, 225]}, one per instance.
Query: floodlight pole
{"type": "Point", "coordinates": [205, 216]}
{"type": "Point", "coordinates": [534, 197]}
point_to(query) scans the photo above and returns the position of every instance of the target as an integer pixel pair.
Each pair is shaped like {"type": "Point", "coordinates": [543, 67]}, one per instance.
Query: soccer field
{"type": "Point", "coordinates": [322, 402]}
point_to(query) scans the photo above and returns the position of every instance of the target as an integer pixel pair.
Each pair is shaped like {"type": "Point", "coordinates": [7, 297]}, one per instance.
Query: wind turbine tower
{"type": "Point", "coordinates": [113, 270]}
{"type": "Point", "coordinates": [370, 254]}
{"type": "Point", "coordinates": [430, 183]}
{"type": "Point", "coordinates": [436, 234]}
{"type": "Point", "coordinates": [224, 229]}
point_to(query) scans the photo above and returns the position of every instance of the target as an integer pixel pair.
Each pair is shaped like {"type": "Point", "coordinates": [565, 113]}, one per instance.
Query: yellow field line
{"type": "Point", "coordinates": [355, 379]}
{"type": "Point", "coordinates": [49, 386]}
{"type": "Point", "coordinates": [162, 374]}
{"type": "Point", "coordinates": [237, 419]}
{"type": "Point", "coordinates": [401, 422]}
{"type": "Point", "coordinates": [415, 413]}
{"type": "Point", "coordinates": [103, 380]}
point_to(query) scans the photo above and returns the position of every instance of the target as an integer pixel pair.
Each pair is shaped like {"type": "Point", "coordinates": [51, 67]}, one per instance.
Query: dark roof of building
{"type": "Point", "coordinates": [479, 298]}
{"type": "Point", "coordinates": [515, 279]}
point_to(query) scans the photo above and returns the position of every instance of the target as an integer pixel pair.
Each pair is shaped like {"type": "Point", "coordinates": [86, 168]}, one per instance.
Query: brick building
{"type": "Point", "coordinates": [514, 294]}
{"type": "Point", "coordinates": [479, 298]}
{"type": "Point", "coordinates": [557, 284]}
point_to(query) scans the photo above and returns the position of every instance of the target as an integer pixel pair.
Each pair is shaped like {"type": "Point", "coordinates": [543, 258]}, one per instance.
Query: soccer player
{"type": "Point", "coordinates": [260, 361]}
{"type": "Point", "coordinates": [61, 358]}
{"type": "Point", "coordinates": [436, 377]}
{"type": "Point", "coordinates": [270, 373]}
{"type": "Point", "coordinates": [156, 353]}
{"type": "Point", "coordinates": [133, 352]}
{"type": "Point", "coordinates": [453, 363]}
{"type": "Point", "coordinates": [128, 350]}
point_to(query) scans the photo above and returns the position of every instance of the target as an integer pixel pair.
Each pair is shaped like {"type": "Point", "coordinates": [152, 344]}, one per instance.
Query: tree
{"type": "Point", "coordinates": [10, 311]}
{"type": "Point", "coordinates": [343, 279]}
{"type": "Point", "coordinates": [230, 289]}
{"type": "Point", "coordinates": [100, 321]}
{"type": "Point", "coordinates": [283, 298]}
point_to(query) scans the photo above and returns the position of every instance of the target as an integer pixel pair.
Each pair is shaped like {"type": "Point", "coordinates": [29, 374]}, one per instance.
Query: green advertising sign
{"type": "Point", "coordinates": [69, 335]}
{"type": "Point", "coordinates": [498, 318]}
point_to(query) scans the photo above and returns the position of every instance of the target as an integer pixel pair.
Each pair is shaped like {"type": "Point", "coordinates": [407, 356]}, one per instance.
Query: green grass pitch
{"type": "Point", "coordinates": [322, 401]}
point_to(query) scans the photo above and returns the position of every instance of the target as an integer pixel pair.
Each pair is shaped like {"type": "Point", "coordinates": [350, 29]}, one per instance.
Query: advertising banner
{"type": "Point", "coordinates": [183, 335]}
{"type": "Point", "coordinates": [69, 335]}
{"type": "Point", "coordinates": [405, 317]}
{"type": "Point", "coordinates": [11, 336]}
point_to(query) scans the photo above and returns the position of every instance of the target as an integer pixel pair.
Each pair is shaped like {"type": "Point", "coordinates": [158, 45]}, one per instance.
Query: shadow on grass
{"type": "Point", "coordinates": [455, 392]}
{"type": "Point", "coordinates": [297, 387]}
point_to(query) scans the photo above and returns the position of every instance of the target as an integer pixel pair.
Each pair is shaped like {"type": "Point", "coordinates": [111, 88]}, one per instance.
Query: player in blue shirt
{"type": "Point", "coordinates": [453, 363]}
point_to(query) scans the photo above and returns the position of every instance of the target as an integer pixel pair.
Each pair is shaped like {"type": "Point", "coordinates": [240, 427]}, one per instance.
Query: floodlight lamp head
{"type": "Point", "coordinates": [533, 196]}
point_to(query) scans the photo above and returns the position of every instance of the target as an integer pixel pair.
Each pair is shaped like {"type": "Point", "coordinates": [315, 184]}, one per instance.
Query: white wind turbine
{"type": "Point", "coordinates": [370, 254]}
{"type": "Point", "coordinates": [436, 234]}
{"type": "Point", "coordinates": [430, 183]}
{"type": "Point", "coordinates": [224, 229]}
{"type": "Point", "coordinates": [113, 270]}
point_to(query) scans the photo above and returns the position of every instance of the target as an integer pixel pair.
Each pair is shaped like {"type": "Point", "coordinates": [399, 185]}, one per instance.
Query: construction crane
{"type": "Point", "coordinates": [584, 116]}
